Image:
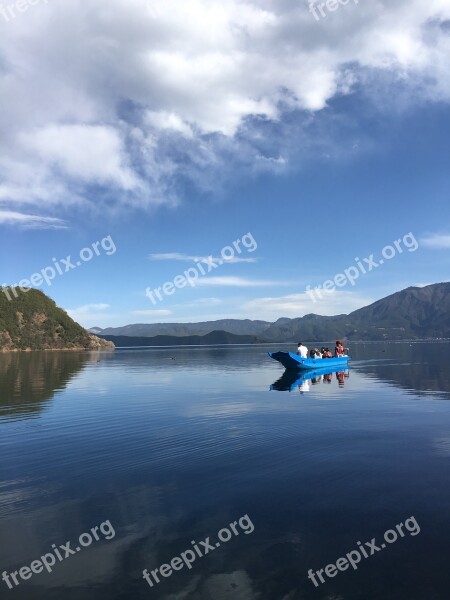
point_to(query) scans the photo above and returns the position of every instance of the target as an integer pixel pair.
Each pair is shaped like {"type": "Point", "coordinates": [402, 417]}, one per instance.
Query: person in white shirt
{"type": "Point", "coordinates": [302, 350]}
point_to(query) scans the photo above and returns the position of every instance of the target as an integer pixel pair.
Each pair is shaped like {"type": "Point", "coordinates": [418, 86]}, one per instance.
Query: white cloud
{"type": "Point", "coordinates": [86, 309]}
{"type": "Point", "coordinates": [151, 313]}
{"type": "Point", "coordinates": [173, 256]}
{"type": "Point", "coordinates": [277, 161]}
{"type": "Point", "coordinates": [90, 315]}
{"type": "Point", "coordinates": [436, 241]}
{"type": "Point", "coordinates": [298, 305]}
{"type": "Point", "coordinates": [271, 308]}
{"type": "Point", "coordinates": [165, 120]}
{"type": "Point", "coordinates": [201, 303]}
{"type": "Point", "coordinates": [189, 258]}
{"type": "Point", "coordinates": [237, 282]}
{"type": "Point", "coordinates": [91, 154]}
{"type": "Point", "coordinates": [131, 96]}
{"type": "Point", "coordinates": [8, 217]}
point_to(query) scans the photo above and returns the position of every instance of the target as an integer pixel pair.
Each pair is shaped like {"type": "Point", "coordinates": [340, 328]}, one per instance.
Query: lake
{"type": "Point", "coordinates": [149, 450]}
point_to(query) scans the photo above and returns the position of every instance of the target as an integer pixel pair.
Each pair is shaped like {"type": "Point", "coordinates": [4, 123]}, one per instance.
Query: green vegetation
{"type": "Point", "coordinates": [32, 321]}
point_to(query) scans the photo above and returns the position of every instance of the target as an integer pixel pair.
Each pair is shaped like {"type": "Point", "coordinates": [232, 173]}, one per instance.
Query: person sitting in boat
{"type": "Point", "coordinates": [340, 351]}
{"type": "Point", "coordinates": [315, 354]}
{"type": "Point", "coordinates": [302, 350]}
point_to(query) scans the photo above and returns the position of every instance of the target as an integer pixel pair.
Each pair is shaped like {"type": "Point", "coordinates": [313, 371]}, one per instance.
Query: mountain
{"type": "Point", "coordinates": [32, 321]}
{"type": "Point", "coordinates": [210, 339]}
{"type": "Point", "coordinates": [236, 326]}
{"type": "Point", "coordinates": [413, 313]}
{"type": "Point", "coordinates": [309, 327]}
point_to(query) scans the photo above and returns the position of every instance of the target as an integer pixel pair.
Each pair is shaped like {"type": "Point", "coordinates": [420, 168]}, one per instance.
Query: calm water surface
{"type": "Point", "coordinates": [172, 445]}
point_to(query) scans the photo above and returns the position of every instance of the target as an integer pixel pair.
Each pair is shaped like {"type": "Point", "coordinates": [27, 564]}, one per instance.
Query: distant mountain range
{"type": "Point", "coordinates": [235, 326]}
{"type": "Point", "coordinates": [413, 313]}
{"type": "Point", "coordinates": [210, 339]}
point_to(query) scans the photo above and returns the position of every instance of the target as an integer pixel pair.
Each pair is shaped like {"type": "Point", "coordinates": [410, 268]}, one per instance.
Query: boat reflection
{"type": "Point", "coordinates": [303, 381]}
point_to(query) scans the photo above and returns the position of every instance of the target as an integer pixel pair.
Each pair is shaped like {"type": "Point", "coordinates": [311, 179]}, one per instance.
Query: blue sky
{"type": "Point", "coordinates": [176, 130]}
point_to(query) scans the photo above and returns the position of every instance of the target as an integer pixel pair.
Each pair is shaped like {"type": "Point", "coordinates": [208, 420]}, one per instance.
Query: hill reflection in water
{"type": "Point", "coordinates": [28, 381]}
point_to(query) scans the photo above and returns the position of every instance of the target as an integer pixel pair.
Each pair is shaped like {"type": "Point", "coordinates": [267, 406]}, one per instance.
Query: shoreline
{"type": "Point", "coordinates": [29, 350]}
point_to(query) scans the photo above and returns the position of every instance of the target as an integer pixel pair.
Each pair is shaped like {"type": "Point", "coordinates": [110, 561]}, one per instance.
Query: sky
{"type": "Point", "coordinates": [141, 139]}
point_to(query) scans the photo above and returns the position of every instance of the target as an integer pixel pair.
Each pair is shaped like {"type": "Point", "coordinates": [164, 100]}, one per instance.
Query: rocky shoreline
{"type": "Point", "coordinates": [95, 345]}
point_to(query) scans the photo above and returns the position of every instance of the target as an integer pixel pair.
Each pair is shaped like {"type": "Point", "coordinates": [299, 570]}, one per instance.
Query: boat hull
{"type": "Point", "coordinates": [289, 360]}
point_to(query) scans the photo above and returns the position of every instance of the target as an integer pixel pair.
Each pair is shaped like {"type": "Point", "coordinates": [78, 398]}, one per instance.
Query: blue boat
{"type": "Point", "coordinates": [289, 360]}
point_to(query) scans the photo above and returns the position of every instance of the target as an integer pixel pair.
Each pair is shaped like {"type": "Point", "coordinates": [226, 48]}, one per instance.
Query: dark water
{"type": "Point", "coordinates": [172, 451]}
